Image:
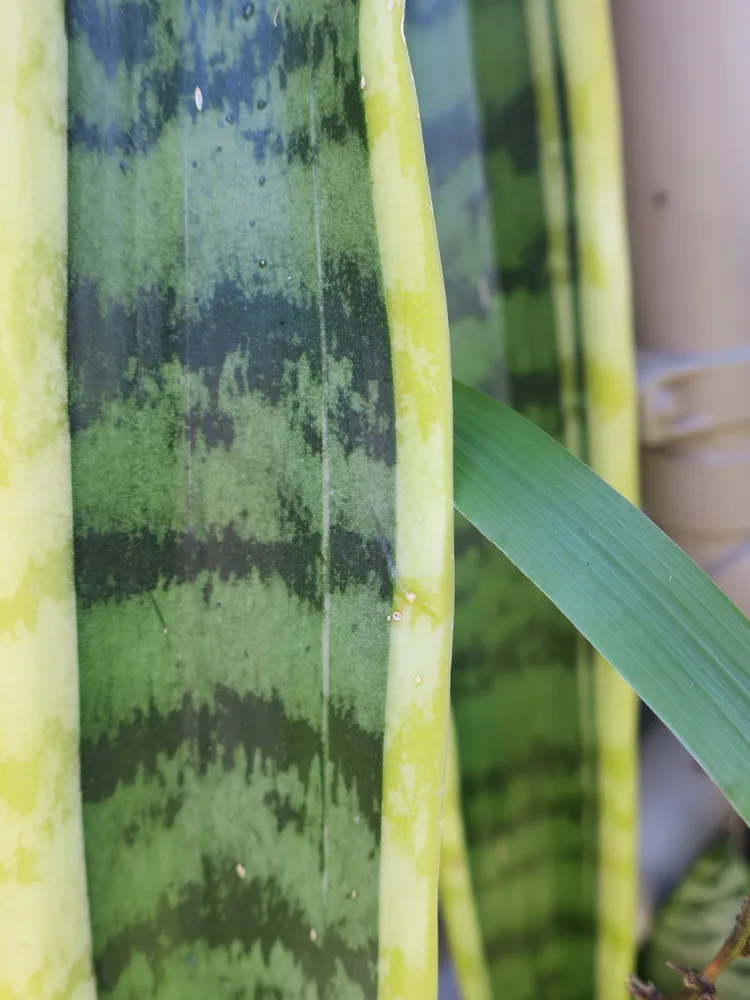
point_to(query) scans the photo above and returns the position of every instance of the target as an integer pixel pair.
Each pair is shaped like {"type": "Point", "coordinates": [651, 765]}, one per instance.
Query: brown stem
{"type": "Point", "coordinates": [700, 983]}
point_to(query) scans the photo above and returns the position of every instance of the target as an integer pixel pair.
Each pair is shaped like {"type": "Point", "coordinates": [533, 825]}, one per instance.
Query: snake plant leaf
{"type": "Point", "coordinates": [456, 890]}
{"type": "Point", "coordinates": [586, 55]}
{"type": "Point", "coordinates": [655, 616]}
{"type": "Point", "coordinates": [696, 919]}
{"type": "Point", "coordinates": [260, 391]}
{"type": "Point", "coordinates": [510, 168]}
{"type": "Point", "coordinates": [44, 926]}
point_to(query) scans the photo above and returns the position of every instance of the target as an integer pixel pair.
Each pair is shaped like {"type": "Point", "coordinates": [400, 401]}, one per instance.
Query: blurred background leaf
{"type": "Point", "coordinates": [543, 733]}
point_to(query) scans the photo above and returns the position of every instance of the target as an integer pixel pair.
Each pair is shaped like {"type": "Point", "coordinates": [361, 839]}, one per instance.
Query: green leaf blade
{"type": "Point", "coordinates": [648, 609]}
{"type": "Point", "coordinates": [244, 388]}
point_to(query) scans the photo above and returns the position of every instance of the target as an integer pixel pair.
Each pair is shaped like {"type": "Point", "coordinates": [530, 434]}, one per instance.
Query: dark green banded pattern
{"type": "Point", "coordinates": [234, 487]}
{"type": "Point", "coordinates": [697, 918]}
{"type": "Point", "coordinates": [521, 683]}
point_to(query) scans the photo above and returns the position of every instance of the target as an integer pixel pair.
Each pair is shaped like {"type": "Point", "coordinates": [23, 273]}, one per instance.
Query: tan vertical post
{"type": "Point", "coordinates": [685, 87]}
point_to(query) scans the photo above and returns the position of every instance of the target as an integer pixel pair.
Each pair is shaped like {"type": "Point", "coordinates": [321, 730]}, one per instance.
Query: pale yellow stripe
{"type": "Point", "coordinates": [612, 435]}
{"type": "Point", "coordinates": [456, 890]}
{"type": "Point", "coordinates": [44, 925]}
{"type": "Point", "coordinates": [418, 683]}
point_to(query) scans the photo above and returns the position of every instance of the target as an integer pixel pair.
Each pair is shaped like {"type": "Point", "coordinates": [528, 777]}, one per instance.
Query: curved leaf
{"type": "Point", "coordinates": [260, 389]}
{"type": "Point", "coordinates": [457, 891]}
{"type": "Point", "coordinates": [44, 928]}
{"type": "Point", "coordinates": [648, 609]}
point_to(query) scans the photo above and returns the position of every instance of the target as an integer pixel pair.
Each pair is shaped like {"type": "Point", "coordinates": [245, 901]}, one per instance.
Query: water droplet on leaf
{"type": "Point", "coordinates": [248, 10]}
{"type": "Point", "coordinates": [397, 616]}
{"type": "Point", "coordinates": [198, 99]}
{"type": "Point", "coordinates": [240, 869]}
{"type": "Point", "coordinates": [262, 262]}
{"type": "Point", "coordinates": [261, 104]}
{"type": "Point", "coordinates": [418, 679]}
{"type": "Point", "coordinates": [313, 934]}
{"type": "Point", "coordinates": [363, 82]}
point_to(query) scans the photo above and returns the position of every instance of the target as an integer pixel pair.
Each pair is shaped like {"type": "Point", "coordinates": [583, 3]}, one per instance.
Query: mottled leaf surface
{"type": "Point", "coordinates": [234, 480]}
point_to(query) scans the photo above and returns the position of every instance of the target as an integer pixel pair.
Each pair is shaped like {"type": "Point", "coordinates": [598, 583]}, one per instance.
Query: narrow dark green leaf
{"type": "Point", "coordinates": [657, 618]}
